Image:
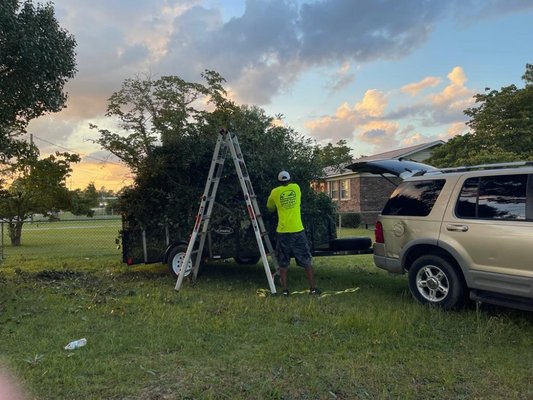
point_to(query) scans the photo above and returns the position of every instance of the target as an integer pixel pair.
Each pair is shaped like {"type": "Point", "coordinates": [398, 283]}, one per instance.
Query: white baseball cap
{"type": "Point", "coordinates": [284, 176]}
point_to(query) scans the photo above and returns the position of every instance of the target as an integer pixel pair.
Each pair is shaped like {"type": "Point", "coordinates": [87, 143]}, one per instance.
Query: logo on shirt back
{"type": "Point", "coordinates": [288, 199]}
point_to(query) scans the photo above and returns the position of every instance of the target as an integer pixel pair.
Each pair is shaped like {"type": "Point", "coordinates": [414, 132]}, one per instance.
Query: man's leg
{"type": "Point", "coordinates": [283, 278]}
{"type": "Point", "coordinates": [310, 277]}
{"type": "Point", "coordinates": [283, 254]}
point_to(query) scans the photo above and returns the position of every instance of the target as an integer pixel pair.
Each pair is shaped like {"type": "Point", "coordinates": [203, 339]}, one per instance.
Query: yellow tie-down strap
{"type": "Point", "coordinates": [266, 292]}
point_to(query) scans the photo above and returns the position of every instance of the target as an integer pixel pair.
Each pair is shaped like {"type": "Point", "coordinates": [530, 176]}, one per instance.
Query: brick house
{"type": "Point", "coordinates": [366, 193]}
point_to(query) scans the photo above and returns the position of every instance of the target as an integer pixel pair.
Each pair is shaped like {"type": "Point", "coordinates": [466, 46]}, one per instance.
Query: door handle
{"type": "Point", "coordinates": [457, 228]}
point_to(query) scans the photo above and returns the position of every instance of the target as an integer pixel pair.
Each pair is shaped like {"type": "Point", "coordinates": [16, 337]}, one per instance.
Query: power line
{"type": "Point", "coordinates": [64, 148]}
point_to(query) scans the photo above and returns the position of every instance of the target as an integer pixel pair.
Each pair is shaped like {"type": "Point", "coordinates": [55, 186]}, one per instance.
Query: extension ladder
{"type": "Point", "coordinates": [228, 141]}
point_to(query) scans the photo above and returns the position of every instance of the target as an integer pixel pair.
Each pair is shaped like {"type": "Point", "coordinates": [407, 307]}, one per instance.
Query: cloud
{"type": "Point", "coordinates": [363, 30]}
{"type": "Point", "coordinates": [473, 10]}
{"type": "Point", "coordinates": [342, 78]}
{"type": "Point", "coordinates": [454, 129]}
{"type": "Point", "coordinates": [262, 52]}
{"type": "Point", "coordinates": [343, 124]}
{"type": "Point", "coordinates": [449, 104]}
{"type": "Point", "coordinates": [385, 121]}
{"type": "Point", "coordinates": [414, 88]}
{"type": "Point", "coordinates": [373, 104]}
{"type": "Point", "coordinates": [380, 134]}
{"type": "Point", "coordinates": [112, 176]}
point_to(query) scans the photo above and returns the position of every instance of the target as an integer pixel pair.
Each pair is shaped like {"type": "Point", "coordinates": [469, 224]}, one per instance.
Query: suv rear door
{"type": "Point", "coordinates": [489, 226]}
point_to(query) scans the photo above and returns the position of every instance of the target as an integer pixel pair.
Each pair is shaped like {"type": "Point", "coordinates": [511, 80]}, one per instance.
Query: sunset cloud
{"type": "Point", "coordinates": [373, 121]}
{"type": "Point", "coordinates": [414, 88]}
{"type": "Point", "coordinates": [301, 58]}
{"type": "Point", "coordinates": [373, 104]}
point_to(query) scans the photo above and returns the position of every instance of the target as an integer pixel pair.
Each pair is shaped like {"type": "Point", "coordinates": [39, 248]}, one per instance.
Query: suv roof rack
{"type": "Point", "coordinates": [482, 166]}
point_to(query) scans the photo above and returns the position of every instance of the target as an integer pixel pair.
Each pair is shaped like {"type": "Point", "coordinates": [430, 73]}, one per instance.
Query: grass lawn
{"type": "Point", "coordinates": [219, 339]}
{"type": "Point", "coordinates": [83, 238]}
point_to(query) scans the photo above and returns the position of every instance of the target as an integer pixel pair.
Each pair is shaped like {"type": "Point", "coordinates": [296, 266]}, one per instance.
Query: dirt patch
{"type": "Point", "coordinates": [53, 275]}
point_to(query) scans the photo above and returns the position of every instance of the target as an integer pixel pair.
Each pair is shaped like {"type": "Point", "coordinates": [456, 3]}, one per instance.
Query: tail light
{"type": "Point", "coordinates": [378, 232]}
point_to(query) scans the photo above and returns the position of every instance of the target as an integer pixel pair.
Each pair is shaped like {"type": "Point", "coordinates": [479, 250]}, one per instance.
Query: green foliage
{"type": "Point", "coordinates": [38, 187]}
{"type": "Point", "coordinates": [334, 156]}
{"type": "Point", "coordinates": [349, 220]}
{"type": "Point", "coordinates": [151, 111]}
{"type": "Point", "coordinates": [38, 57]}
{"type": "Point", "coordinates": [502, 129]}
{"type": "Point", "coordinates": [90, 194]}
{"type": "Point", "coordinates": [171, 151]}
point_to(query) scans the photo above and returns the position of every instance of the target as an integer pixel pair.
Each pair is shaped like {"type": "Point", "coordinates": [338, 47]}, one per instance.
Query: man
{"type": "Point", "coordinates": [286, 199]}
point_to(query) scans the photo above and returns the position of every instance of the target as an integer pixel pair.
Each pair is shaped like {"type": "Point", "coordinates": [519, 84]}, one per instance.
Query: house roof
{"type": "Point", "coordinates": [400, 153]}
{"type": "Point", "coordinates": [404, 152]}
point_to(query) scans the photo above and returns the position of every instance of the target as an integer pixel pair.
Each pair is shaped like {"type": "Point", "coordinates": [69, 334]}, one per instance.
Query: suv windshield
{"type": "Point", "coordinates": [414, 198]}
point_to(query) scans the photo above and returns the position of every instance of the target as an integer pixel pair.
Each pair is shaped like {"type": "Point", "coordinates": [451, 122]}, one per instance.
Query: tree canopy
{"type": "Point", "coordinates": [38, 57]}
{"type": "Point", "coordinates": [39, 187]}
{"type": "Point", "coordinates": [167, 133]}
{"type": "Point", "coordinates": [501, 128]}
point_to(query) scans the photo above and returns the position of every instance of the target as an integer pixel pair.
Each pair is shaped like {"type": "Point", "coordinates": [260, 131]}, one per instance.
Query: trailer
{"type": "Point", "coordinates": [228, 238]}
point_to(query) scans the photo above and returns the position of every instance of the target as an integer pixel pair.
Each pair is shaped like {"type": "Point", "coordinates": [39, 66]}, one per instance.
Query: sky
{"type": "Point", "coordinates": [379, 74]}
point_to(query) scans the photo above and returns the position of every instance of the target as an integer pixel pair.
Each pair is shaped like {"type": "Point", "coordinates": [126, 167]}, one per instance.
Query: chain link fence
{"type": "Point", "coordinates": [93, 237]}
{"type": "Point", "coordinates": [89, 237]}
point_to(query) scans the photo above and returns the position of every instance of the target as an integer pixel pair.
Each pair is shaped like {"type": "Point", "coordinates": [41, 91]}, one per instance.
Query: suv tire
{"type": "Point", "coordinates": [433, 280]}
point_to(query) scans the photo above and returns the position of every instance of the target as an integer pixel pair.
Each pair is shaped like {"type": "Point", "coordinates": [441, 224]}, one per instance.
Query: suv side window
{"type": "Point", "coordinates": [414, 198]}
{"type": "Point", "coordinates": [493, 197]}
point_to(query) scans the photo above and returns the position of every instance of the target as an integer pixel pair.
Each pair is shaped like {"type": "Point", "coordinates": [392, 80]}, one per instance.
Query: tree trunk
{"type": "Point", "coordinates": [15, 232]}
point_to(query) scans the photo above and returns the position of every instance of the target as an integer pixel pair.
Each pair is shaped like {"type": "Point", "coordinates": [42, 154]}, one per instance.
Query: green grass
{"type": "Point", "coordinates": [84, 238]}
{"type": "Point", "coordinates": [219, 340]}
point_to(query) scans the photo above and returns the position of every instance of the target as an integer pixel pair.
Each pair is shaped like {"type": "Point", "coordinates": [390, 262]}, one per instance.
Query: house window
{"type": "Point", "coordinates": [344, 189]}
{"type": "Point", "coordinates": [334, 189]}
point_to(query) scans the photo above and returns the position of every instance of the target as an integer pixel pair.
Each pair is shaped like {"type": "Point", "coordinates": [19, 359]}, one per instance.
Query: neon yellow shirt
{"type": "Point", "coordinates": [286, 199]}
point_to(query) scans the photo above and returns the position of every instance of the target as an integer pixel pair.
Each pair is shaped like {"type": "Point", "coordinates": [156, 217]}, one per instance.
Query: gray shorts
{"type": "Point", "coordinates": [295, 245]}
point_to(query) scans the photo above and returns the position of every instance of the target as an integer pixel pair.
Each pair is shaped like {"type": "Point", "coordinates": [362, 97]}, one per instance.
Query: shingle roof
{"type": "Point", "coordinates": [399, 153]}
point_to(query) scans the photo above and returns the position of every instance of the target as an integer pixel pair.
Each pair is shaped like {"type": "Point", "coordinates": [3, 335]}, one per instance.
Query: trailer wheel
{"type": "Point", "coordinates": [247, 260]}
{"type": "Point", "coordinates": [175, 260]}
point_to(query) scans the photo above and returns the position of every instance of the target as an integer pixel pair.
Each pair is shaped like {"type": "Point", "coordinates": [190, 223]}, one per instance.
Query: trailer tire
{"type": "Point", "coordinates": [175, 260]}
{"type": "Point", "coordinates": [247, 260]}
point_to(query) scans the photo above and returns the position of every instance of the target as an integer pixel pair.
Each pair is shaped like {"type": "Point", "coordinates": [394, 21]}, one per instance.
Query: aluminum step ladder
{"type": "Point", "coordinates": [228, 141]}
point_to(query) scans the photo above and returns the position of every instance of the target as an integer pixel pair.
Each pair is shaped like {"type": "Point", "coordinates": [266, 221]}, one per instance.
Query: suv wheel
{"type": "Point", "coordinates": [433, 280]}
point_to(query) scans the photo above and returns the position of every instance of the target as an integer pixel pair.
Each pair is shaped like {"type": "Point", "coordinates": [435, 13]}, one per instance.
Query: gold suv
{"type": "Point", "coordinates": [461, 232]}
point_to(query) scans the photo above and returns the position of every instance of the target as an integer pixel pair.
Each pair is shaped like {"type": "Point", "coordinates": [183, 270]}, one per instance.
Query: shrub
{"type": "Point", "coordinates": [348, 220]}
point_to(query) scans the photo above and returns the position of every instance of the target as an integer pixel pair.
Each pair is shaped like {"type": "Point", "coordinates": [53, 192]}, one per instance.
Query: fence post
{"type": "Point", "coordinates": [1, 241]}
{"type": "Point", "coordinates": [340, 225]}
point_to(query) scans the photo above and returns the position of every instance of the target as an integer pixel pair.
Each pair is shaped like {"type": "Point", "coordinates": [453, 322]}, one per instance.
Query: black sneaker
{"type": "Point", "coordinates": [315, 291]}
{"type": "Point", "coordinates": [285, 292]}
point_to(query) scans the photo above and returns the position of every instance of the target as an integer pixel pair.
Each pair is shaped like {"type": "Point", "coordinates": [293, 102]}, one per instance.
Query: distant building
{"type": "Point", "coordinates": [365, 193]}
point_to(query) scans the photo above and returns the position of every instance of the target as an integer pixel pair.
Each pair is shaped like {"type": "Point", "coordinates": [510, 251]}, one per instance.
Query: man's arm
{"type": "Point", "coordinates": [271, 204]}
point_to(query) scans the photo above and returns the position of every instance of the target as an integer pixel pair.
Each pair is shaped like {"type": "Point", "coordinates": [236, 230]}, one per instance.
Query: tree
{"type": "Point", "coordinates": [90, 194]}
{"type": "Point", "coordinates": [39, 187]}
{"type": "Point", "coordinates": [502, 128]}
{"type": "Point", "coordinates": [170, 151]}
{"type": "Point", "coordinates": [38, 57]}
{"type": "Point", "coordinates": [155, 111]}
{"type": "Point", "coordinates": [335, 156]}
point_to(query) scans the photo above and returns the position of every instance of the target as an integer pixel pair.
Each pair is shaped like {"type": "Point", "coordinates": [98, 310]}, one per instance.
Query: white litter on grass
{"type": "Point", "coordinates": [76, 344]}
